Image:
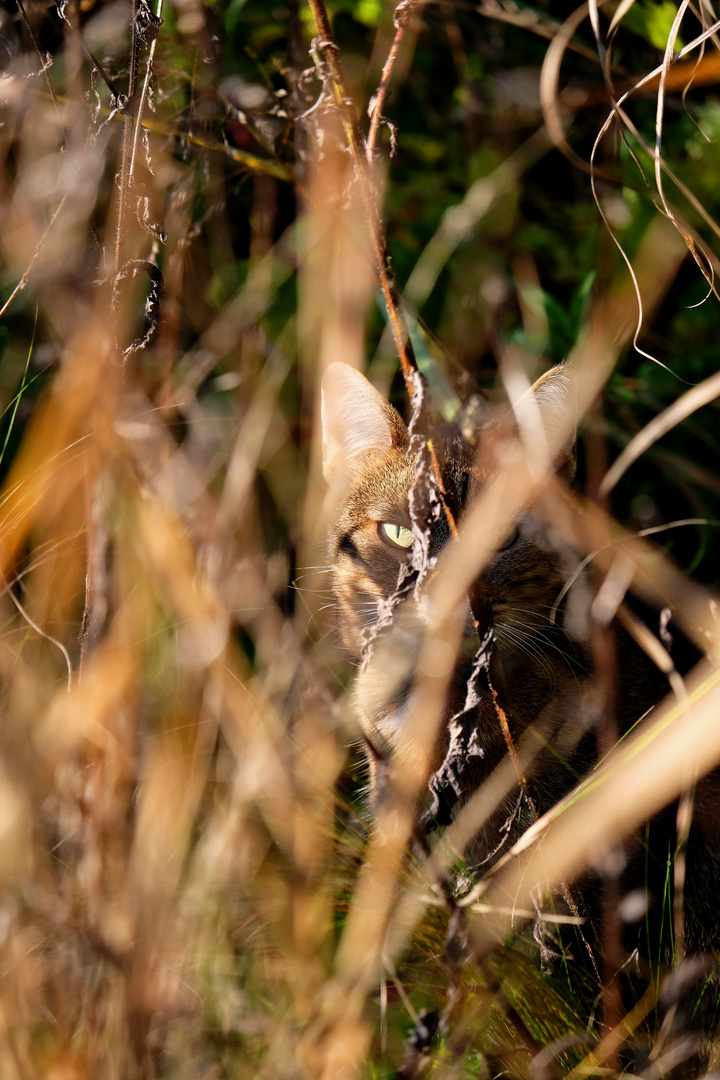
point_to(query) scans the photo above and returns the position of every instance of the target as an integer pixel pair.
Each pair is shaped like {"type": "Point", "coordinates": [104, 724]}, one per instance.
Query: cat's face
{"type": "Point", "coordinates": [371, 472]}
{"type": "Point", "coordinates": [385, 568]}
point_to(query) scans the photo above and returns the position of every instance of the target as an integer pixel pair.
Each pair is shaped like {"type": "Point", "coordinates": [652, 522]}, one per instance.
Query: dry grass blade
{"type": "Point", "coordinates": [663, 760]}
{"type": "Point", "coordinates": [685, 406]}
{"type": "Point", "coordinates": [549, 84]}
{"type": "Point", "coordinates": [368, 195]}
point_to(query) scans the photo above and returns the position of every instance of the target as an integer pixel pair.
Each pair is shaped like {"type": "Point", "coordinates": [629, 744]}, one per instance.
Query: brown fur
{"type": "Point", "coordinates": [541, 667]}
{"type": "Point", "coordinates": [539, 671]}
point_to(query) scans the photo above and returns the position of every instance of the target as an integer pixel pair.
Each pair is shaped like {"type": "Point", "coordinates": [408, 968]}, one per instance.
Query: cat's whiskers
{"type": "Point", "coordinates": [326, 594]}
{"type": "Point", "coordinates": [367, 617]}
{"type": "Point", "coordinates": [547, 632]}
{"type": "Point", "coordinates": [331, 605]}
{"type": "Point", "coordinates": [310, 572]}
{"type": "Point", "coordinates": [542, 639]}
{"type": "Point", "coordinates": [524, 645]}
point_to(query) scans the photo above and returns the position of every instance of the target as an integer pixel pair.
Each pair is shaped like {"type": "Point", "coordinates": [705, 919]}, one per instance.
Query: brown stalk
{"type": "Point", "coordinates": [41, 242]}
{"type": "Point", "coordinates": [127, 148]}
{"type": "Point", "coordinates": [603, 646]}
{"type": "Point", "coordinates": [328, 50]}
{"type": "Point", "coordinates": [38, 50]}
{"type": "Point", "coordinates": [401, 18]}
{"type": "Point", "coordinates": [144, 93]}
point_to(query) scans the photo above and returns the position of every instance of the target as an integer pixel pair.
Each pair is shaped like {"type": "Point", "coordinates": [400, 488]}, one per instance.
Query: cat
{"type": "Point", "coordinates": [536, 674]}
{"type": "Point", "coordinates": [368, 463]}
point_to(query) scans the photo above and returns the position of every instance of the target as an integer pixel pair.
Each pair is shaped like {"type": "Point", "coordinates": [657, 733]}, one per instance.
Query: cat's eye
{"type": "Point", "coordinates": [397, 535]}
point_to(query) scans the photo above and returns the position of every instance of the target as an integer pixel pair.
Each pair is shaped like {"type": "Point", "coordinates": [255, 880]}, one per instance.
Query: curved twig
{"type": "Point", "coordinates": [691, 400]}
{"type": "Point", "coordinates": [401, 18]}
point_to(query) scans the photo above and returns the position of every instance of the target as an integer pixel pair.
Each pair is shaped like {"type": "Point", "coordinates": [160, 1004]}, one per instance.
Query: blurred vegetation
{"type": "Point", "coordinates": [182, 821]}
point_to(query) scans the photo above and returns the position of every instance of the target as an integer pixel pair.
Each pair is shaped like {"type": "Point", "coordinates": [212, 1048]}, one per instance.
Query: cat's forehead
{"type": "Point", "coordinates": [453, 452]}
{"type": "Point", "coordinates": [381, 487]}
{"type": "Point", "coordinates": [381, 484]}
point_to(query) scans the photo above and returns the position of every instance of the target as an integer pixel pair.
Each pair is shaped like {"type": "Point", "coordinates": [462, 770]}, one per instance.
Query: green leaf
{"type": "Point", "coordinates": [232, 15]}
{"type": "Point", "coordinates": [652, 21]}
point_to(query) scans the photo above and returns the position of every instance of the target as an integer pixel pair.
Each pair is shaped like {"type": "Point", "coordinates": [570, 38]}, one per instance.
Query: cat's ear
{"type": "Point", "coordinates": [554, 396]}
{"type": "Point", "coordinates": [356, 419]}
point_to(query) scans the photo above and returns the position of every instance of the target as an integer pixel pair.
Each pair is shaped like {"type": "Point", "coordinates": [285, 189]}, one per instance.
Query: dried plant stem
{"type": "Point", "coordinates": [43, 61]}
{"type": "Point", "coordinates": [24, 279]}
{"type": "Point", "coordinates": [43, 634]}
{"type": "Point", "coordinates": [125, 179]}
{"type": "Point", "coordinates": [144, 93]}
{"type": "Point", "coordinates": [483, 619]}
{"type": "Point", "coordinates": [96, 582]}
{"type": "Point", "coordinates": [549, 88]}
{"type": "Point", "coordinates": [401, 18]}
{"type": "Point", "coordinates": [678, 411]}
{"type": "Point", "coordinates": [101, 71]}
{"type": "Point", "coordinates": [612, 1040]}
{"type": "Point", "coordinates": [683, 821]}
{"type": "Point", "coordinates": [328, 49]}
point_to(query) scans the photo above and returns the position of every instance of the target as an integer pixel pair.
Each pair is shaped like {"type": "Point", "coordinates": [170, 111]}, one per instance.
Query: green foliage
{"type": "Point", "coordinates": [652, 21]}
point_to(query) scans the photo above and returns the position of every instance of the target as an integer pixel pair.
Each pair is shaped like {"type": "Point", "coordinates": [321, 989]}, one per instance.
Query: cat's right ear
{"type": "Point", "coordinates": [356, 420]}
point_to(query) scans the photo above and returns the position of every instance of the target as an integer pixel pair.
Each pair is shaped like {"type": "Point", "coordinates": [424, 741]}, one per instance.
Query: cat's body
{"type": "Point", "coordinates": [541, 668]}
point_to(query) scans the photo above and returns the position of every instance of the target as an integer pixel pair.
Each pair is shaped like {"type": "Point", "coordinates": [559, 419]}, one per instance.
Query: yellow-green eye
{"type": "Point", "coordinates": [397, 535]}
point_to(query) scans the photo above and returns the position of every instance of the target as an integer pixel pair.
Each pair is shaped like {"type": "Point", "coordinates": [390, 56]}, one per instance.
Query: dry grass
{"type": "Point", "coordinates": [189, 883]}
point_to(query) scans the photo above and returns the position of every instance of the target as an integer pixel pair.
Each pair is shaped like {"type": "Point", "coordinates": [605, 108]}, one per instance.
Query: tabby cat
{"type": "Point", "coordinates": [540, 662]}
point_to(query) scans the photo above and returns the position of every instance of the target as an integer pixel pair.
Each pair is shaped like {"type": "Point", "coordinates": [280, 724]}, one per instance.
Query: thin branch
{"type": "Point", "coordinates": [102, 73]}
{"type": "Point", "coordinates": [127, 136]}
{"type": "Point", "coordinates": [145, 90]}
{"type": "Point", "coordinates": [24, 279]}
{"type": "Point", "coordinates": [44, 60]}
{"type": "Point", "coordinates": [401, 18]}
{"type": "Point", "coordinates": [327, 48]}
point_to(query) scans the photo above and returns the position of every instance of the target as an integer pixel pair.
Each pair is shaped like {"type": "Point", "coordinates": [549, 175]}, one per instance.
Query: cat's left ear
{"type": "Point", "coordinates": [554, 396]}
{"type": "Point", "coordinates": [356, 420]}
